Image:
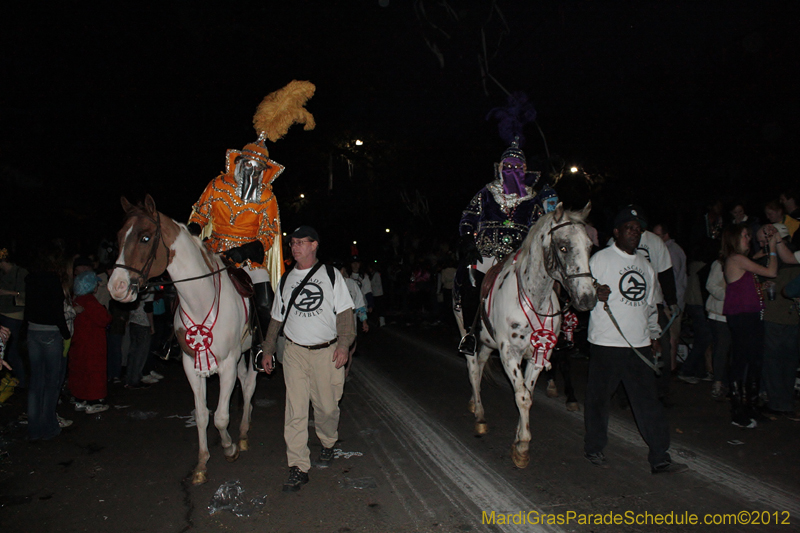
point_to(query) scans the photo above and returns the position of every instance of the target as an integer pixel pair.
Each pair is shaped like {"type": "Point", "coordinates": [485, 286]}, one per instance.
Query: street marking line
{"type": "Point", "coordinates": [716, 470]}
{"type": "Point", "coordinates": [482, 485]}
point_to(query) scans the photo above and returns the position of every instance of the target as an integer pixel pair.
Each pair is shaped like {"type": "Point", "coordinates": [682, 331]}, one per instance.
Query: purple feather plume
{"type": "Point", "coordinates": [512, 118]}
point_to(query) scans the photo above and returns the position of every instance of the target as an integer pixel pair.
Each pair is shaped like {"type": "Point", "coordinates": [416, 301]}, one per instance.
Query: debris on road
{"type": "Point", "coordinates": [230, 497]}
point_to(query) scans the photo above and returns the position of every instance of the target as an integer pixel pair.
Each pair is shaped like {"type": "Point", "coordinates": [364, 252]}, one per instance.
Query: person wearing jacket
{"type": "Point", "coordinates": [47, 330]}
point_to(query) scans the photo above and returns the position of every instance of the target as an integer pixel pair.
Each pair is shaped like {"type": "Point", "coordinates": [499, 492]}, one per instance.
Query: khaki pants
{"type": "Point", "coordinates": [310, 375]}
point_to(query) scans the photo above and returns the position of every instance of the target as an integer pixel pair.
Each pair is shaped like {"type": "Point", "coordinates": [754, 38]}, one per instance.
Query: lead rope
{"type": "Point", "coordinates": [646, 360]}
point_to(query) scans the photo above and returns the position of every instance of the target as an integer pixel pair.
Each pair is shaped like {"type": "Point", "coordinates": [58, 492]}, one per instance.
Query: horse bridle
{"type": "Point", "coordinates": [144, 273]}
{"type": "Point", "coordinates": [566, 276]}
{"type": "Point", "coordinates": [552, 246]}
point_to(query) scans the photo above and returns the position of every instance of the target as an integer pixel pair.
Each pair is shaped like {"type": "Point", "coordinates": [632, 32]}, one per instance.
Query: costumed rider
{"type": "Point", "coordinates": [238, 213]}
{"type": "Point", "coordinates": [493, 226]}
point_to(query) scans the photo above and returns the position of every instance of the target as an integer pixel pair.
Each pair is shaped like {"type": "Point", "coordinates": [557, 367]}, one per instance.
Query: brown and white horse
{"type": "Point", "coordinates": [211, 322]}
{"type": "Point", "coordinates": [521, 314]}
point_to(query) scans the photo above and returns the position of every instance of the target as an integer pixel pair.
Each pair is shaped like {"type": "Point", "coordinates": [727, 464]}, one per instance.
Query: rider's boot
{"type": "Point", "coordinates": [263, 304]}
{"type": "Point", "coordinates": [470, 303]}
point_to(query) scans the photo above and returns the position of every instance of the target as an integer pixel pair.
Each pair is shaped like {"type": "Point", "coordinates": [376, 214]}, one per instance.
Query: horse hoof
{"type": "Point", "coordinates": [552, 390]}
{"type": "Point", "coordinates": [481, 428]}
{"type": "Point", "coordinates": [232, 458]}
{"type": "Point", "coordinates": [521, 460]}
{"type": "Point", "coordinates": [573, 406]}
{"type": "Point", "coordinates": [243, 445]}
{"type": "Point", "coordinates": [199, 478]}
{"type": "Point", "coordinates": [471, 407]}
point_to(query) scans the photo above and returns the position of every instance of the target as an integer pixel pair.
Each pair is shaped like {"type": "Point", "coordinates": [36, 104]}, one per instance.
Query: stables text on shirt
{"type": "Point", "coordinates": [632, 286]}
{"type": "Point", "coordinates": [309, 301]}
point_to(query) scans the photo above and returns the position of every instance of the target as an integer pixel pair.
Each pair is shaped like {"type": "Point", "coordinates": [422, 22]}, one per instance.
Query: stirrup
{"type": "Point", "coordinates": [258, 356]}
{"type": "Point", "coordinates": [468, 344]}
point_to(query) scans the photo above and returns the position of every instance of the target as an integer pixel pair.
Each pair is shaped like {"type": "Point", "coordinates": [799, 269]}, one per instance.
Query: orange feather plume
{"type": "Point", "coordinates": [279, 110]}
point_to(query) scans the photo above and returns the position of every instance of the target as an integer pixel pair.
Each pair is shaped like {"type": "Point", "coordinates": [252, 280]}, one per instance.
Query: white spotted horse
{"type": "Point", "coordinates": [211, 322]}
{"type": "Point", "coordinates": [521, 313]}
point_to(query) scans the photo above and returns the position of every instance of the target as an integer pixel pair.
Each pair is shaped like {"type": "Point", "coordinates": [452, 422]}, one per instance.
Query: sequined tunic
{"type": "Point", "coordinates": [235, 222]}
{"type": "Point", "coordinates": [501, 221]}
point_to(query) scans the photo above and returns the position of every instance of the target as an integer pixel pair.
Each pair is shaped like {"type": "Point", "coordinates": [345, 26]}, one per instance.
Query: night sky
{"type": "Point", "coordinates": [668, 104]}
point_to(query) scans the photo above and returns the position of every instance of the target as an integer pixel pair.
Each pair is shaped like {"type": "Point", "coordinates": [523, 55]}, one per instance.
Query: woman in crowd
{"type": "Point", "coordinates": [742, 309]}
{"type": "Point", "coordinates": [87, 355]}
{"type": "Point", "coordinates": [47, 330]}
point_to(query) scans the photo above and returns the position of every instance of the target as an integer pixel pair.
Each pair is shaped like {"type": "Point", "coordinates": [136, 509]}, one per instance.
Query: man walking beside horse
{"type": "Point", "coordinates": [621, 332]}
{"type": "Point", "coordinates": [314, 309]}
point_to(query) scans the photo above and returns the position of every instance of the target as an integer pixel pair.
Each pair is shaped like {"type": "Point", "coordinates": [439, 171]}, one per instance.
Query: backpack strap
{"type": "Point", "coordinates": [331, 275]}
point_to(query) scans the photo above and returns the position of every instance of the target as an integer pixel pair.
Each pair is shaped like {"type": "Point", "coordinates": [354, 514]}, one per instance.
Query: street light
{"type": "Point", "coordinates": [359, 142]}
{"type": "Point", "coordinates": [387, 230]}
{"type": "Point", "coordinates": [574, 170]}
{"type": "Point", "coordinates": [302, 195]}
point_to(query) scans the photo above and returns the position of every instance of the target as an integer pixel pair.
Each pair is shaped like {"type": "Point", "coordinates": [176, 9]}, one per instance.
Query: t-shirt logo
{"type": "Point", "coordinates": [633, 286]}
{"type": "Point", "coordinates": [644, 251]}
{"type": "Point", "coordinates": [310, 298]}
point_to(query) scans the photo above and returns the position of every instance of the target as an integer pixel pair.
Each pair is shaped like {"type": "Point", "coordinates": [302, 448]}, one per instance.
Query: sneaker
{"type": "Point", "coordinates": [149, 380]}
{"type": "Point", "coordinates": [325, 458]}
{"type": "Point", "coordinates": [96, 408]}
{"type": "Point", "coordinates": [689, 379]}
{"type": "Point", "coordinates": [718, 391]}
{"type": "Point", "coordinates": [81, 406]}
{"type": "Point", "coordinates": [708, 377]}
{"type": "Point", "coordinates": [156, 375]}
{"type": "Point", "coordinates": [597, 459]}
{"type": "Point", "coordinates": [669, 468]}
{"type": "Point", "coordinates": [63, 422]}
{"type": "Point", "coordinates": [743, 421]}
{"type": "Point", "coordinates": [297, 478]}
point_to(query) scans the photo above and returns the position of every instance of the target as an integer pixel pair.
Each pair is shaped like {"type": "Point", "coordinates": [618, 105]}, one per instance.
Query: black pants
{"type": "Point", "coordinates": [608, 366]}
{"type": "Point", "coordinates": [747, 347]}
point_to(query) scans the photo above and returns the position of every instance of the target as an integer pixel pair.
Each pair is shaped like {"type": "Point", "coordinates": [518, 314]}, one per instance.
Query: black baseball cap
{"type": "Point", "coordinates": [628, 213]}
{"type": "Point", "coordinates": [305, 231]}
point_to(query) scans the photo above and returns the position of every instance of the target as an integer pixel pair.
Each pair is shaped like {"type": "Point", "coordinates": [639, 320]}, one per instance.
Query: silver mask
{"type": "Point", "coordinates": [248, 179]}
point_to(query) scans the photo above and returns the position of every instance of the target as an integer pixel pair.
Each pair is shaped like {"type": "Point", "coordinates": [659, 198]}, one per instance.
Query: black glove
{"type": "Point", "coordinates": [467, 250]}
{"type": "Point", "coordinates": [254, 251]}
{"type": "Point", "coordinates": [194, 228]}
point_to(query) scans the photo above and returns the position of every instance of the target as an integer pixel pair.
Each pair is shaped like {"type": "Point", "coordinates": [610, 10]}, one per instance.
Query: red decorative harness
{"type": "Point", "coordinates": [199, 336]}
{"type": "Point", "coordinates": [543, 338]}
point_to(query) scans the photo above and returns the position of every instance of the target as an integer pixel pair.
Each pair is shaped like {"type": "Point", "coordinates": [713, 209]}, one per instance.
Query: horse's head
{"type": "Point", "coordinates": [566, 256]}
{"type": "Point", "coordinates": [142, 251]}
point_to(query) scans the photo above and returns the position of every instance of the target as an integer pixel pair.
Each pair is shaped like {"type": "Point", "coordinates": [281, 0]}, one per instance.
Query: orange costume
{"type": "Point", "coordinates": [238, 211]}
{"type": "Point", "coordinates": [236, 222]}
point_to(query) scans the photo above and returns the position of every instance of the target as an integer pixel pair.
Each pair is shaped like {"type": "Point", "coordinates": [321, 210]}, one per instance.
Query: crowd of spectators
{"type": "Point", "coordinates": [69, 344]}
{"type": "Point", "coordinates": [735, 321]}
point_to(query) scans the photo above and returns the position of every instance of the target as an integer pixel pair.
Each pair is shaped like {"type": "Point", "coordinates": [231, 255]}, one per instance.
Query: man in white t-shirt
{"type": "Point", "coordinates": [364, 283]}
{"type": "Point", "coordinates": [652, 248]}
{"type": "Point", "coordinates": [627, 286]}
{"type": "Point", "coordinates": [319, 329]}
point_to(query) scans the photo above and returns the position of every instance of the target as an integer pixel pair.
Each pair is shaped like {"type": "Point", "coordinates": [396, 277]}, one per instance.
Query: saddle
{"type": "Point", "coordinates": [486, 288]}
{"type": "Point", "coordinates": [241, 281]}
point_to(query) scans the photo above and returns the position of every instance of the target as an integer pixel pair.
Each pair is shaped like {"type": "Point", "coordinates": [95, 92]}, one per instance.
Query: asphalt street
{"type": "Point", "coordinates": [408, 460]}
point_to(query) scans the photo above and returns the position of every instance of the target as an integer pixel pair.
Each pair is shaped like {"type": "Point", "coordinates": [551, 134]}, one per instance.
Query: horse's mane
{"type": "Point", "coordinates": [576, 217]}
